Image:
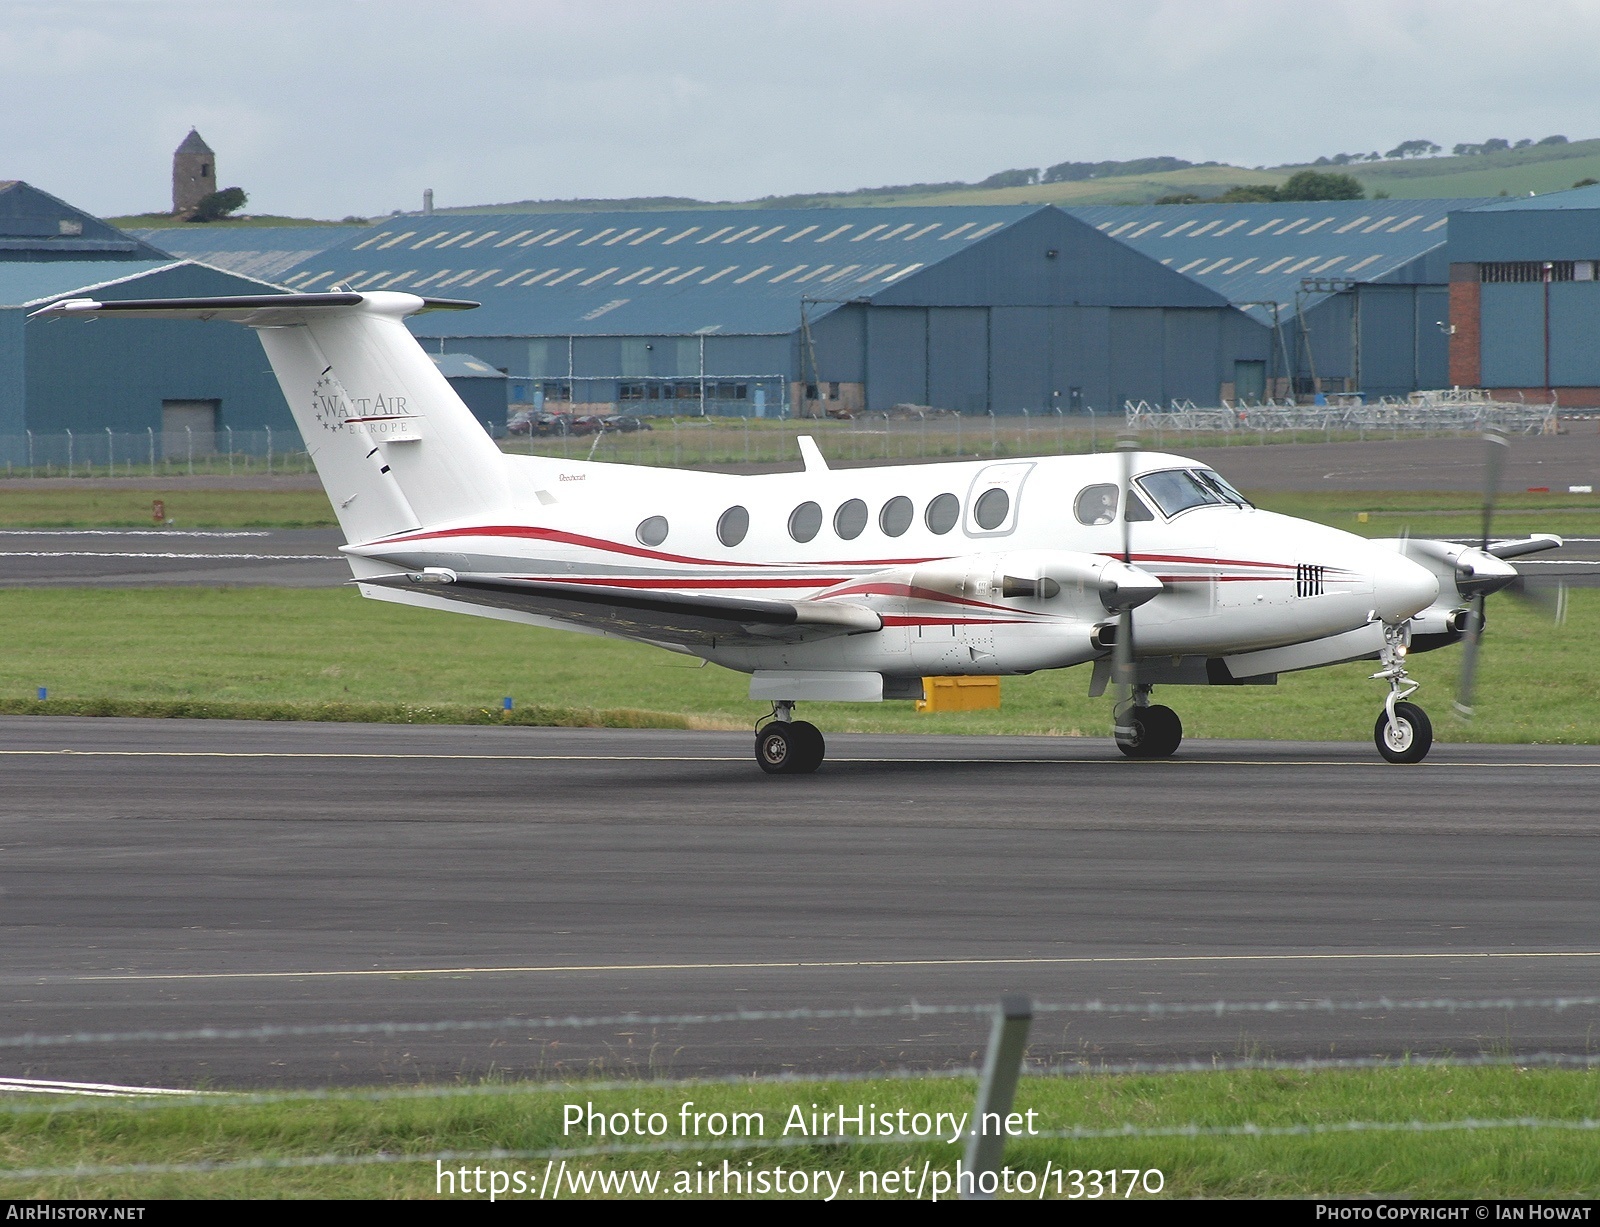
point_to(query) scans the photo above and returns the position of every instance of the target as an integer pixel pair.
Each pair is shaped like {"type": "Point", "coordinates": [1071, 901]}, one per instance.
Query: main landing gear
{"type": "Point", "coordinates": [786, 746]}
{"type": "Point", "coordinates": [1147, 730]}
{"type": "Point", "coordinates": [1403, 734]}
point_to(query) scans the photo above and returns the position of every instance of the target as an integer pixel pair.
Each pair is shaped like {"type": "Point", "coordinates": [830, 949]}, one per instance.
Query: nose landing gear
{"type": "Point", "coordinates": [1403, 734]}
{"type": "Point", "coordinates": [786, 746]}
{"type": "Point", "coordinates": [1147, 730]}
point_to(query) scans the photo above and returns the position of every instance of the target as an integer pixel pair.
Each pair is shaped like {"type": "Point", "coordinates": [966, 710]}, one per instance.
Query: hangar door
{"type": "Point", "coordinates": [189, 428]}
{"type": "Point", "coordinates": [958, 358]}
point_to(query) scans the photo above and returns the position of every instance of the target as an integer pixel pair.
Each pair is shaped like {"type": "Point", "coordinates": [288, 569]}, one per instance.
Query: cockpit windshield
{"type": "Point", "coordinates": [1221, 485]}
{"type": "Point", "coordinates": [1177, 490]}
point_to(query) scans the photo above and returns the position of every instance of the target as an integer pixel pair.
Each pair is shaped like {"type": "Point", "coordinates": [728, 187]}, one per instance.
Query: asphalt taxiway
{"type": "Point", "coordinates": [283, 882]}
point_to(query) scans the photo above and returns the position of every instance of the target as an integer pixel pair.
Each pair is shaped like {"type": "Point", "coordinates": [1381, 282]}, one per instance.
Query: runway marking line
{"type": "Point", "coordinates": [739, 758]}
{"type": "Point", "coordinates": [806, 965]}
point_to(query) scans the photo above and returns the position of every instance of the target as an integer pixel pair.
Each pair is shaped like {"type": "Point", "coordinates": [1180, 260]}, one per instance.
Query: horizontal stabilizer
{"type": "Point", "coordinates": [668, 617]}
{"type": "Point", "coordinates": [258, 309]}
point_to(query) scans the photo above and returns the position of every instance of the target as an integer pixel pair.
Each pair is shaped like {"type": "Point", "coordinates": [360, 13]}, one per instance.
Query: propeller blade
{"type": "Point", "coordinates": [1494, 463]}
{"type": "Point", "coordinates": [1471, 637]}
{"type": "Point", "coordinates": [1548, 596]}
{"type": "Point", "coordinates": [1122, 668]}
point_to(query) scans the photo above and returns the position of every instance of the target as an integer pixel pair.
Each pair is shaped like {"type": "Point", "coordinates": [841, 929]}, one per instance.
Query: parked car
{"type": "Point", "coordinates": [588, 424]}
{"type": "Point", "coordinates": [625, 423]}
{"type": "Point", "coordinates": [520, 422]}
{"type": "Point", "coordinates": [553, 424]}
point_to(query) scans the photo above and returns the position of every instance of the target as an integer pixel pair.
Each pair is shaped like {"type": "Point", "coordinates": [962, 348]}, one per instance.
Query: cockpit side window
{"type": "Point", "coordinates": [1177, 490]}
{"type": "Point", "coordinates": [1096, 505]}
{"type": "Point", "coordinates": [1220, 484]}
{"type": "Point", "coordinates": [1136, 509]}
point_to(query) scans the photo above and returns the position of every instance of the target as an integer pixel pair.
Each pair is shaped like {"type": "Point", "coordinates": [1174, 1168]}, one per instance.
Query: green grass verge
{"type": "Point", "coordinates": [116, 507]}
{"type": "Point", "coordinates": [1485, 1162]}
{"type": "Point", "coordinates": [315, 654]}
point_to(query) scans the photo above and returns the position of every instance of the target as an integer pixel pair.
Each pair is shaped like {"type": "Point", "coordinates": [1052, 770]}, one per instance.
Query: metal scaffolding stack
{"type": "Point", "coordinates": [1444, 411]}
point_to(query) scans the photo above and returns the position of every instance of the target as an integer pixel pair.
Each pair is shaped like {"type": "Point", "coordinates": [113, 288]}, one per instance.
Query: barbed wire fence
{"type": "Point", "coordinates": [1003, 1066]}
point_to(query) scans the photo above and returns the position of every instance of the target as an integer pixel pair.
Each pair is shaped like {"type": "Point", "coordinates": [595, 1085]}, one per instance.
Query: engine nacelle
{"type": "Point", "coordinates": [1043, 581]}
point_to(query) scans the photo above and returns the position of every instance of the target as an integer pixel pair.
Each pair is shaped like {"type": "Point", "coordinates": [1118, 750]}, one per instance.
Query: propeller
{"type": "Point", "coordinates": [1494, 463]}
{"type": "Point", "coordinates": [1122, 667]}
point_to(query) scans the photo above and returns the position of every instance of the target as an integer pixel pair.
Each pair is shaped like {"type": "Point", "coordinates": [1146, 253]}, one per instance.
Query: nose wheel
{"type": "Point", "coordinates": [785, 746]}
{"type": "Point", "coordinates": [1403, 733]}
{"type": "Point", "coordinates": [1149, 731]}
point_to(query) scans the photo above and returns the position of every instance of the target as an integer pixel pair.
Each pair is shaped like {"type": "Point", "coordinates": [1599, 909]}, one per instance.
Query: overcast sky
{"type": "Point", "coordinates": [324, 108]}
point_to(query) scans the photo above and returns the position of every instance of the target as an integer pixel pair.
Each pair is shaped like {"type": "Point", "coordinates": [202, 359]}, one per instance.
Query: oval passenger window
{"type": "Point", "coordinates": [896, 516]}
{"type": "Point", "coordinates": [652, 531]}
{"type": "Point", "coordinates": [1096, 505]}
{"type": "Point", "coordinates": [942, 513]}
{"type": "Point", "coordinates": [850, 519]}
{"type": "Point", "coordinates": [805, 521]}
{"type": "Point", "coordinates": [733, 525]}
{"type": "Point", "coordinates": [991, 509]}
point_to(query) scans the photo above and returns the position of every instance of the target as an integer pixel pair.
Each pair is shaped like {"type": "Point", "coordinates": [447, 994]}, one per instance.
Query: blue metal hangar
{"type": "Point", "coordinates": [757, 311]}
{"type": "Point", "coordinates": [147, 375]}
{"type": "Point", "coordinates": [1354, 293]}
{"type": "Point", "coordinates": [1525, 297]}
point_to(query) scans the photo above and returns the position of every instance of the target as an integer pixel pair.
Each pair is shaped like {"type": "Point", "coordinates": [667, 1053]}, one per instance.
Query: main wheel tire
{"type": "Point", "coordinates": [777, 748]}
{"type": "Point", "coordinates": [1157, 733]}
{"type": "Point", "coordinates": [1408, 739]}
{"type": "Point", "coordinates": [809, 747]}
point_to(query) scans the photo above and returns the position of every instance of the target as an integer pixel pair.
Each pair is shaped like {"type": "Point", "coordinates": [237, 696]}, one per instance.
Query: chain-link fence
{"type": "Point", "coordinates": [153, 453]}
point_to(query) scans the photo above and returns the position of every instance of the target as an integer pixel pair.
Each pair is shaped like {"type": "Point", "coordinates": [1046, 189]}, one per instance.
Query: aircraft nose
{"type": "Point", "coordinates": [1401, 587]}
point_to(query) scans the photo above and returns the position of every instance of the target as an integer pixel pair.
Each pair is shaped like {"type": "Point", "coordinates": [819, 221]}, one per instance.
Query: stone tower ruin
{"type": "Point", "coordinates": [194, 173]}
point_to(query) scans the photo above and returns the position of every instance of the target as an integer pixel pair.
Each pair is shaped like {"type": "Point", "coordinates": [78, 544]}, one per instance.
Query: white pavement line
{"type": "Point", "coordinates": [41, 1086]}
{"type": "Point", "coordinates": [821, 964]}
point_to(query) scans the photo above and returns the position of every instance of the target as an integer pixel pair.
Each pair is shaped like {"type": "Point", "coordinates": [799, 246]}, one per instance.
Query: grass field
{"type": "Point", "coordinates": [297, 651]}
{"type": "Point", "coordinates": [1545, 1161]}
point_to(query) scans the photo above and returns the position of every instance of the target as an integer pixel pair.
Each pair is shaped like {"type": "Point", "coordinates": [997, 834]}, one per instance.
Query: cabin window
{"type": "Point", "coordinates": [805, 521]}
{"type": "Point", "coordinates": [1177, 490]}
{"type": "Point", "coordinates": [652, 531]}
{"type": "Point", "coordinates": [896, 516]}
{"type": "Point", "coordinates": [732, 526]}
{"type": "Point", "coordinates": [991, 509]}
{"type": "Point", "coordinates": [943, 512]}
{"type": "Point", "coordinates": [1096, 505]}
{"type": "Point", "coordinates": [850, 519]}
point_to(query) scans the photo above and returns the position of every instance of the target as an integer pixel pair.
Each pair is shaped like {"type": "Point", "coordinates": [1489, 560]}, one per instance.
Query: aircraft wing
{"type": "Point", "coordinates": [661, 617]}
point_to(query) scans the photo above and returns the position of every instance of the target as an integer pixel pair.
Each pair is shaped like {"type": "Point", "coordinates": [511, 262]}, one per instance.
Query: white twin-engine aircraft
{"type": "Point", "coordinates": [847, 584]}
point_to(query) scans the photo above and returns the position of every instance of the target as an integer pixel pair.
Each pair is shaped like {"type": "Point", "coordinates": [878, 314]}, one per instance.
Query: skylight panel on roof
{"type": "Point", "coordinates": [1194, 234]}
{"type": "Point", "coordinates": [919, 233]}
{"type": "Point", "coordinates": [1365, 217]}
{"type": "Point", "coordinates": [800, 233]}
{"type": "Point", "coordinates": [454, 239]}
{"type": "Point", "coordinates": [978, 234]}
{"type": "Point", "coordinates": [397, 279]}
{"type": "Point", "coordinates": [1228, 229]}
{"type": "Point", "coordinates": [508, 241]}
{"type": "Point", "coordinates": [1295, 268]}
{"type": "Point", "coordinates": [1145, 229]}
{"type": "Point", "coordinates": [816, 272]}
{"type": "Point", "coordinates": [538, 277]}
{"type": "Point", "coordinates": [647, 235]}
{"type": "Point", "coordinates": [612, 242]}
{"type": "Point", "coordinates": [1103, 226]}
{"type": "Point", "coordinates": [563, 277]}
{"type": "Point", "coordinates": [521, 272]}
{"type": "Point", "coordinates": [734, 238]}
{"type": "Point", "coordinates": [843, 272]}
{"type": "Point", "coordinates": [719, 273]}
{"type": "Point", "coordinates": [1126, 226]}
{"type": "Point", "coordinates": [785, 276]}
{"type": "Point", "coordinates": [1379, 225]}
{"type": "Point", "coordinates": [1356, 268]}
{"type": "Point", "coordinates": [378, 276]}
{"type": "Point", "coordinates": [767, 233]}
{"type": "Point", "coordinates": [466, 272]}
{"type": "Point", "coordinates": [910, 268]}
{"type": "Point", "coordinates": [1267, 268]}
{"type": "Point", "coordinates": [1316, 226]}
{"type": "Point", "coordinates": [1325, 266]}
{"type": "Point", "coordinates": [1176, 229]}
{"type": "Point", "coordinates": [1296, 222]}
{"type": "Point", "coordinates": [399, 238]}
{"type": "Point", "coordinates": [1168, 260]}
{"type": "Point", "coordinates": [682, 234]}
{"type": "Point", "coordinates": [1443, 221]}
{"type": "Point", "coordinates": [638, 272]}
{"type": "Point", "coordinates": [483, 276]}
{"type": "Point", "coordinates": [600, 276]}
{"type": "Point", "coordinates": [312, 280]}
{"type": "Point", "coordinates": [372, 240]}
{"type": "Point", "coordinates": [432, 238]}
{"type": "Point", "coordinates": [598, 235]}
{"type": "Point", "coordinates": [543, 234]}
{"type": "Point", "coordinates": [750, 276]}
{"type": "Point", "coordinates": [562, 238]}
{"type": "Point", "coordinates": [349, 277]}
{"type": "Point", "coordinates": [1186, 267]}
{"type": "Point", "coordinates": [715, 234]}
{"type": "Point", "coordinates": [900, 229]}
{"type": "Point", "coordinates": [430, 277]}
{"type": "Point", "coordinates": [671, 268]}
{"type": "Point", "coordinates": [834, 233]}
{"type": "Point", "coordinates": [944, 238]}
{"type": "Point", "coordinates": [698, 268]}
{"type": "Point", "coordinates": [868, 232]}
{"type": "Point", "coordinates": [298, 276]}
{"type": "Point", "coordinates": [1265, 226]}
{"type": "Point", "coordinates": [882, 268]}
{"type": "Point", "coordinates": [1213, 266]}
{"type": "Point", "coordinates": [1228, 272]}
{"type": "Point", "coordinates": [487, 234]}
{"type": "Point", "coordinates": [1408, 221]}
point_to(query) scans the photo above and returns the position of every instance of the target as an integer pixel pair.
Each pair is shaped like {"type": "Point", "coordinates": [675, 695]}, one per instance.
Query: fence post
{"type": "Point", "coordinates": [189, 432]}
{"type": "Point", "coordinates": [152, 431]}
{"type": "Point", "coordinates": [229, 429]}
{"type": "Point", "coordinates": [1061, 430]}
{"type": "Point", "coordinates": [69, 453]}
{"type": "Point", "coordinates": [30, 453]}
{"type": "Point", "coordinates": [269, 451]}
{"type": "Point", "coordinates": [111, 453]}
{"type": "Point", "coordinates": [994, 439]}
{"type": "Point", "coordinates": [1002, 1065]}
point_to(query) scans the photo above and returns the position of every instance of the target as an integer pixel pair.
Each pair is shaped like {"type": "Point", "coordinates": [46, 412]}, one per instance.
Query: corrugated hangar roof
{"type": "Point", "coordinates": [464, 366]}
{"type": "Point", "coordinates": [1261, 253]}
{"type": "Point", "coordinates": [25, 284]}
{"type": "Point", "coordinates": [1572, 198]}
{"type": "Point", "coordinates": [36, 225]}
{"type": "Point", "coordinates": [669, 273]}
{"type": "Point", "coordinates": [266, 252]}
